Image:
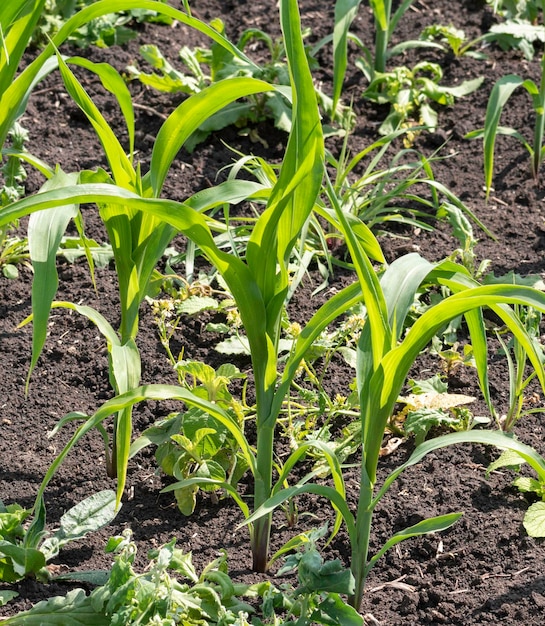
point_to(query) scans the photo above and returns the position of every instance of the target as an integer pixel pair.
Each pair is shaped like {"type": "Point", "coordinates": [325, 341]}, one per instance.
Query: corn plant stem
{"type": "Point", "coordinates": [381, 39]}
{"type": "Point", "coordinates": [262, 491]}
{"type": "Point", "coordinates": [539, 128]}
{"type": "Point", "coordinates": [360, 550]}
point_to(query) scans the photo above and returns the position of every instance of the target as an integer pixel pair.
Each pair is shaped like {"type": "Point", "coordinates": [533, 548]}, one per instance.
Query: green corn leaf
{"type": "Point", "coordinates": [36, 530]}
{"type": "Point", "coordinates": [113, 82]}
{"type": "Point", "coordinates": [430, 525]}
{"type": "Point", "coordinates": [381, 12]}
{"type": "Point", "coordinates": [329, 311]}
{"type": "Point", "coordinates": [18, 19]}
{"type": "Point", "coordinates": [195, 226]}
{"type": "Point", "coordinates": [377, 332]}
{"type": "Point", "coordinates": [45, 231]}
{"type": "Point", "coordinates": [345, 12]}
{"type": "Point", "coordinates": [125, 370]}
{"type": "Point", "coordinates": [399, 285]}
{"type": "Point", "coordinates": [94, 316]}
{"type": "Point", "coordinates": [156, 393]}
{"type": "Point", "coordinates": [387, 380]}
{"type": "Point", "coordinates": [501, 92]}
{"type": "Point", "coordinates": [231, 191]}
{"type": "Point", "coordinates": [122, 170]}
{"type": "Point", "coordinates": [295, 192]}
{"type": "Point", "coordinates": [187, 118]}
{"type": "Point", "coordinates": [336, 499]}
{"type": "Point", "coordinates": [125, 366]}
{"type": "Point", "coordinates": [486, 437]}
{"type": "Point", "coordinates": [398, 14]}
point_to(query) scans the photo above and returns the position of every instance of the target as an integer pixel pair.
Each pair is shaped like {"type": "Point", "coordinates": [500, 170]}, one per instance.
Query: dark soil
{"type": "Point", "coordinates": [485, 569]}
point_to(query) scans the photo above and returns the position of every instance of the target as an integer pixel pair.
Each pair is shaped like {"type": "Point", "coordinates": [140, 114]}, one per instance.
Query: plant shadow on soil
{"type": "Point", "coordinates": [484, 570]}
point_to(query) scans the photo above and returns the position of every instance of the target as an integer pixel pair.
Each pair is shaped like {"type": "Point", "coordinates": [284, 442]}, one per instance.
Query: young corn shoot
{"type": "Point", "coordinates": [499, 96]}
{"type": "Point", "coordinates": [385, 355]}
{"type": "Point", "coordinates": [138, 238]}
{"type": "Point", "coordinates": [259, 284]}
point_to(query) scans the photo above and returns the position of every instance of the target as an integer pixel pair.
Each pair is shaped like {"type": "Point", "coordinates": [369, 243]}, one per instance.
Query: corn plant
{"type": "Point", "coordinates": [259, 283]}
{"type": "Point", "coordinates": [385, 354]}
{"type": "Point", "coordinates": [138, 239]}
{"type": "Point", "coordinates": [516, 356]}
{"type": "Point", "coordinates": [499, 96]}
{"type": "Point", "coordinates": [386, 20]}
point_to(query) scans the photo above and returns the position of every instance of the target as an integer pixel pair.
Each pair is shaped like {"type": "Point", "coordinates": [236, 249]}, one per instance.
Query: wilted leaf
{"type": "Point", "coordinates": [433, 400]}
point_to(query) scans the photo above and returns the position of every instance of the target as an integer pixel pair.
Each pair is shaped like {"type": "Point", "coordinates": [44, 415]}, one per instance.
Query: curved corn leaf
{"type": "Point", "coordinates": [399, 284]}
{"type": "Point", "coordinates": [15, 92]}
{"type": "Point", "coordinates": [331, 494]}
{"type": "Point", "coordinates": [500, 94]}
{"type": "Point", "coordinates": [113, 82]}
{"type": "Point", "coordinates": [387, 380]}
{"type": "Point", "coordinates": [128, 399]}
{"type": "Point", "coordinates": [45, 231]}
{"type": "Point", "coordinates": [497, 439]}
{"type": "Point", "coordinates": [425, 527]}
{"type": "Point", "coordinates": [123, 172]}
{"type": "Point", "coordinates": [187, 118]}
{"type": "Point", "coordinates": [345, 12]}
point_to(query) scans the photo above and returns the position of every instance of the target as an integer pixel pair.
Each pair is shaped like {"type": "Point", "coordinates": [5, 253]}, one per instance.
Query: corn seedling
{"type": "Point", "coordinates": [517, 358]}
{"type": "Point", "coordinates": [499, 96]}
{"type": "Point", "coordinates": [138, 239]}
{"type": "Point", "coordinates": [258, 284]}
{"type": "Point", "coordinates": [390, 191]}
{"type": "Point", "coordinates": [373, 60]}
{"type": "Point", "coordinates": [385, 355]}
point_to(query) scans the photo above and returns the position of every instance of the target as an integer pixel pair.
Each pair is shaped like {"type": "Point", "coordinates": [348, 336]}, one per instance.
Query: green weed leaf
{"type": "Point", "coordinates": [87, 516]}
{"type": "Point", "coordinates": [74, 609]}
{"type": "Point", "coordinates": [534, 520]}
